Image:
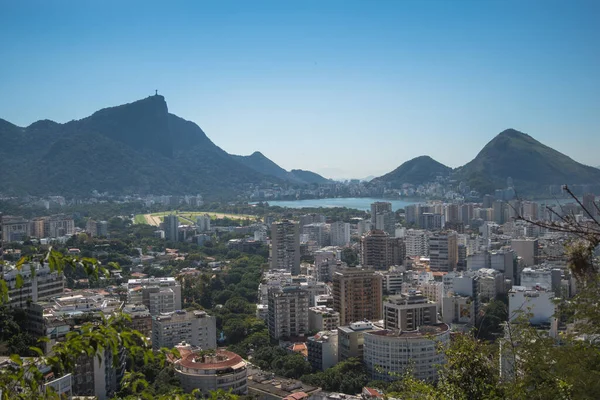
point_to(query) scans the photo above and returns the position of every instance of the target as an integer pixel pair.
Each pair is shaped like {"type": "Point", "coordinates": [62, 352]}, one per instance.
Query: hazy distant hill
{"type": "Point", "coordinates": [309, 177]}
{"type": "Point", "coordinates": [416, 171]}
{"type": "Point", "coordinates": [132, 148]}
{"type": "Point", "coordinates": [258, 162]}
{"type": "Point", "coordinates": [532, 165]}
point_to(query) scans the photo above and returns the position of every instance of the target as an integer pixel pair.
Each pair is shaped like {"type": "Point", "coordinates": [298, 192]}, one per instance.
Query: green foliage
{"type": "Point", "coordinates": [348, 376]}
{"type": "Point", "coordinates": [282, 363]}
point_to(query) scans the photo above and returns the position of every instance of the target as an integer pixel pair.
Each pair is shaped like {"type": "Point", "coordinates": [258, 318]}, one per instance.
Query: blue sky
{"type": "Point", "coordinates": [343, 88]}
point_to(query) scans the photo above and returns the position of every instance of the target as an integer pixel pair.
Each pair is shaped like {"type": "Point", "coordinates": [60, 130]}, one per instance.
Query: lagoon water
{"type": "Point", "coordinates": [359, 203]}
{"type": "Point", "coordinates": [364, 203]}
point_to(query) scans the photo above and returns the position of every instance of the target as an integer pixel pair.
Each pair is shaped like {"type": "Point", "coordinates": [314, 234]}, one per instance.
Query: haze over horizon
{"type": "Point", "coordinates": [344, 89]}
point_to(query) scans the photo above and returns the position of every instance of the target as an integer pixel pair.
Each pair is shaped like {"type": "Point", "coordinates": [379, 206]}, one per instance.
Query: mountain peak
{"type": "Point", "coordinates": [416, 171]}
{"type": "Point", "coordinates": [532, 165]}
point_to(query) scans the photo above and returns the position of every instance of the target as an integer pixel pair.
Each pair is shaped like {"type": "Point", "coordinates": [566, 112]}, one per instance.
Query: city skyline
{"type": "Point", "coordinates": [364, 88]}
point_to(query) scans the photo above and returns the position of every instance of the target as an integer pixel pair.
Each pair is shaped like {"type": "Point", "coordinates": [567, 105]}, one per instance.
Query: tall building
{"type": "Point", "coordinates": [527, 249]}
{"type": "Point", "coordinates": [288, 312]}
{"type": "Point", "coordinates": [357, 295]}
{"type": "Point", "coordinates": [203, 223]}
{"type": "Point", "coordinates": [317, 232]}
{"type": "Point", "coordinates": [409, 311]}
{"type": "Point", "coordinates": [411, 214]}
{"type": "Point", "coordinates": [285, 246]}
{"type": "Point", "coordinates": [417, 243]}
{"type": "Point", "coordinates": [171, 223]}
{"type": "Point", "coordinates": [451, 212]}
{"type": "Point", "coordinates": [379, 250]}
{"type": "Point", "coordinates": [323, 350]}
{"type": "Point", "coordinates": [194, 327]}
{"type": "Point", "coordinates": [443, 251]}
{"type": "Point", "coordinates": [340, 233]}
{"type": "Point", "coordinates": [390, 353]}
{"type": "Point", "coordinates": [589, 203]}
{"type": "Point", "coordinates": [383, 217]}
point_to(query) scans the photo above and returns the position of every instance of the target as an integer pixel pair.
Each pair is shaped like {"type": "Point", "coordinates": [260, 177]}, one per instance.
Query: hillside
{"type": "Point", "coordinates": [132, 148]}
{"type": "Point", "coordinates": [532, 165]}
{"type": "Point", "coordinates": [416, 171]}
{"type": "Point", "coordinates": [259, 163]}
{"type": "Point", "coordinates": [309, 176]}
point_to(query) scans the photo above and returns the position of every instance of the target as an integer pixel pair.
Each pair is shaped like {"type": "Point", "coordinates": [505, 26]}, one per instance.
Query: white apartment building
{"type": "Point", "coordinates": [196, 328]}
{"type": "Point", "coordinates": [392, 279]}
{"type": "Point", "coordinates": [545, 278]}
{"type": "Point", "coordinates": [538, 303]}
{"type": "Point", "coordinates": [340, 233]}
{"type": "Point", "coordinates": [272, 279]}
{"type": "Point", "coordinates": [288, 312]}
{"type": "Point", "coordinates": [323, 350]}
{"type": "Point", "coordinates": [39, 283]}
{"type": "Point", "coordinates": [409, 311]}
{"type": "Point", "coordinates": [434, 291]}
{"type": "Point", "coordinates": [160, 295]}
{"type": "Point", "coordinates": [323, 318]}
{"type": "Point", "coordinates": [458, 309]}
{"type": "Point", "coordinates": [417, 243]}
{"type": "Point", "coordinates": [389, 353]}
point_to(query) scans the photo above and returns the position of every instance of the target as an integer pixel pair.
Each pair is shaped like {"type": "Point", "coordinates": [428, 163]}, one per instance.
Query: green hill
{"type": "Point", "coordinates": [419, 170]}
{"type": "Point", "coordinates": [309, 176]}
{"type": "Point", "coordinates": [132, 148]}
{"type": "Point", "coordinates": [532, 165]}
{"type": "Point", "coordinates": [258, 162]}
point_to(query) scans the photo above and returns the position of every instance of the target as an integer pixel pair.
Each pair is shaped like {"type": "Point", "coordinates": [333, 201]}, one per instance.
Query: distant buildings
{"type": "Point", "coordinates": [285, 246]}
{"type": "Point", "coordinates": [383, 217]}
{"type": "Point", "coordinates": [15, 229]}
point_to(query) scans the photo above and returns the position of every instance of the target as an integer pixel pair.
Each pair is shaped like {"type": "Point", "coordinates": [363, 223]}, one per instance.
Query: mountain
{"type": "Point", "coordinates": [532, 165]}
{"type": "Point", "coordinates": [309, 177]}
{"type": "Point", "coordinates": [258, 162]}
{"type": "Point", "coordinates": [416, 171]}
{"type": "Point", "coordinates": [133, 148]}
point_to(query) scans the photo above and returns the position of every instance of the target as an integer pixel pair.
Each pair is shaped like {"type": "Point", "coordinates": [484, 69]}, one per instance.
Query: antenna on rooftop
{"type": "Point", "coordinates": [156, 92]}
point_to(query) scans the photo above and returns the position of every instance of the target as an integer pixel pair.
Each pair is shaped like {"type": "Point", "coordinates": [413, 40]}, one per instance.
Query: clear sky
{"type": "Point", "coordinates": [343, 88]}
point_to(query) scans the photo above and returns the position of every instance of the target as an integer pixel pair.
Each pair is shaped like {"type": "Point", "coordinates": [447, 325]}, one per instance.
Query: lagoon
{"type": "Point", "coordinates": [359, 203]}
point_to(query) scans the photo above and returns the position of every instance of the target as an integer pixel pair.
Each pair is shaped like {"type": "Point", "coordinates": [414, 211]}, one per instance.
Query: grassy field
{"type": "Point", "coordinates": [185, 216]}
{"type": "Point", "coordinates": [140, 219]}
